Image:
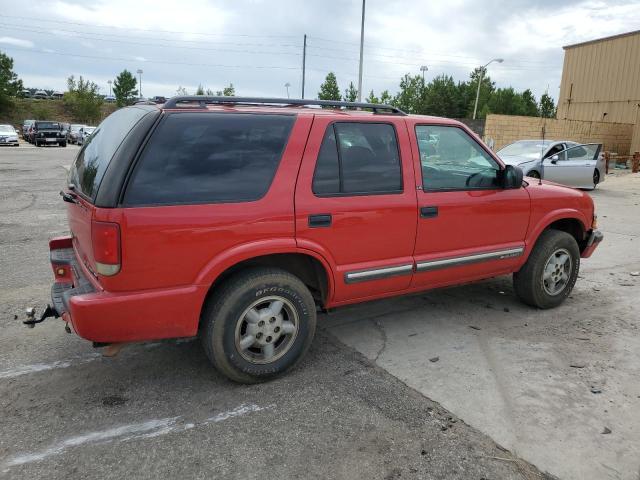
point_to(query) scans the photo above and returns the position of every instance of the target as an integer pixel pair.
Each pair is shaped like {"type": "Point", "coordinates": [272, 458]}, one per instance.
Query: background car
{"type": "Point", "coordinates": [40, 95]}
{"type": "Point", "coordinates": [84, 133]}
{"type": "Point", "coordinates": [47, 133]}
{"type": "Point", "coordinates": [564, 161]}
{"type": "Point", "coordinates": [72, 133]}
{"type": "Point", "coordinates": [8, 135]}
{"type": "Point", "coordinates": [25, 128]}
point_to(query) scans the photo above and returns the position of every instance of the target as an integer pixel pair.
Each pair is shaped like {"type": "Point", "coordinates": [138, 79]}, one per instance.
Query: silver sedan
{"type": "Point", "coordinates": [565, 162]}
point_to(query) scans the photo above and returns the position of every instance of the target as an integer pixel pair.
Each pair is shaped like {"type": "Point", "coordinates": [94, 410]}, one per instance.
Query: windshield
{"type": "Point", "coordinates": [48, 126]}
{"type": "Point", "coordinates": [89, 129]}
{"type": "Point", "coordinates": [528, 148]}
{"type": "Point", "coordinates": [7, 129]}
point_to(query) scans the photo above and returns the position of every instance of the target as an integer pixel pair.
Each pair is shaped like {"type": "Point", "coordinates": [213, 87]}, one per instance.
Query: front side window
{"type": "Point", "coordinates": [209, 158]}
{"type": "Point", "coordinates": [358, 159]}
{"type": "Point", "coordinates": [452, 160]}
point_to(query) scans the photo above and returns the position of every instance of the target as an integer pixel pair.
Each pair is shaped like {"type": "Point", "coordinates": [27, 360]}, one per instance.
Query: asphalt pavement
{"type": "Point", "coordinates": [159, 410]}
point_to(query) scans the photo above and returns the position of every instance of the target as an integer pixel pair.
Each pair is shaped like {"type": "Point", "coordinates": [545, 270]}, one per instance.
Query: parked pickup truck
{"type": "Point", "coordinates": [237, 219]}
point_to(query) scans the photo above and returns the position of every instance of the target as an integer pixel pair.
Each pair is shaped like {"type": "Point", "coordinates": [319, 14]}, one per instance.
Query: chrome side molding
{"type": "Point", "coordinates": [464, 260]}
{"type": "Point", "coordinates": [378, 273]}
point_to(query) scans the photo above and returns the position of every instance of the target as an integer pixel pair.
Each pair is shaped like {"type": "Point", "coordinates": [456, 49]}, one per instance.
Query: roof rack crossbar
{"type": "Point", "coordinates": [204, 100]}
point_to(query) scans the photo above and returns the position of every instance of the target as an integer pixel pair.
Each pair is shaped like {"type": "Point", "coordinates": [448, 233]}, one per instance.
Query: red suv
{"type": "Point", "coordinates": [237, 219]}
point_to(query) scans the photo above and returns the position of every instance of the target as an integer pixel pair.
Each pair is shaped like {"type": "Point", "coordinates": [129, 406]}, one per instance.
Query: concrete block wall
{"type": "Point", "coordinates": [505, 129]}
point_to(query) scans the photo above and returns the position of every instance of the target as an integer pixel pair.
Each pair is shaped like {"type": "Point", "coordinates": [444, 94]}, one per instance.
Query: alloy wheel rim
{"type": "Point", "coordinates": [266, 330]}
{"type": "Point", "coordinates": [557, 272]}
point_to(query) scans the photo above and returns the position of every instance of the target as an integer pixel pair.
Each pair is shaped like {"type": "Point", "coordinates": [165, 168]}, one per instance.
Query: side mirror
{"type": "Point", "coordinates": [512, 177]}
{"type": "Point", "coordinates": [554, 158]}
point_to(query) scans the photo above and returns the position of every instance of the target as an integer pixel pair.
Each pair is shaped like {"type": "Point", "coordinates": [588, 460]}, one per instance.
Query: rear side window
{"type": "Point", "coordinates": [92, 161]}
{"type": "Point", "coordinates": [358, 159]}
{"type": "Point", "coordinates": [209, 158]}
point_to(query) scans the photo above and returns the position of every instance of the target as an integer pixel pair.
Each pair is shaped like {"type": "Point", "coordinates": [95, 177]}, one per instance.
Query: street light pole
{"type": "Point", "coordinates": [140, 72]}
{"type": "Point", "coordinates": [287, 85]}
{"type": "Point", "coordinates": [482, 69]}
{"type": "Point", "coordinates": [361, 50]}
{"type": "Point", "coordinates": [423, 69]}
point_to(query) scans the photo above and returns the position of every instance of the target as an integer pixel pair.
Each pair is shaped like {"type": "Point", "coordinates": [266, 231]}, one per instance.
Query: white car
{"type": "Point", "coordinates": [8, 135]}
{"type": "Point", "coordinates": [564, 161]}
{"type": "Point", "coordinates": [84, 133]}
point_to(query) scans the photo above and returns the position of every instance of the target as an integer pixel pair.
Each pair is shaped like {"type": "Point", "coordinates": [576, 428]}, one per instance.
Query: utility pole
{"type": "Point", "coordinates": [482, 70]}
{"type": "Point", "coordinates": [304, 61]}
{"type": "Point", "coordinates": [361, 48]}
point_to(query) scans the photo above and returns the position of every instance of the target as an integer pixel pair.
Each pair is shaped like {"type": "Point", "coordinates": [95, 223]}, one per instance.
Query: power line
{"type": "Point", "coordinates": [132, 60]}
{"type": "Point", "coordinates": [127, 42]}
{"type": "Point", "coordinates": [31, 19]}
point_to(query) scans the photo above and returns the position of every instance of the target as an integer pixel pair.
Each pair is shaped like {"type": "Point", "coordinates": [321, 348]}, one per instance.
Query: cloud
{"type": "Point", "coordinates": [257, 45]}
{"type": "Point", "coordinates": [18, 42]}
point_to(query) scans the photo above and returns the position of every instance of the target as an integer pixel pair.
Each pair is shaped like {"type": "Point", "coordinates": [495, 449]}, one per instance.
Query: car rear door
{"type": "Point", "coordinates": [469, 226]}
{"type": "Point", "coordinates": [573, 166]}
{"type": "Point", "coordinates": [356, 203]}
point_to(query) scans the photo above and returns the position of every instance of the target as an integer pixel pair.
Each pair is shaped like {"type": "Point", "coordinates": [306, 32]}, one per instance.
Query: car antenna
{"type": "Point", "coordinates": [544, 128]}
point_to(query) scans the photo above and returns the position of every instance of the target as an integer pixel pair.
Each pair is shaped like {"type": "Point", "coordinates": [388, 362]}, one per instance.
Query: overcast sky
{"type": "Point", "coordinates": [257, 45]}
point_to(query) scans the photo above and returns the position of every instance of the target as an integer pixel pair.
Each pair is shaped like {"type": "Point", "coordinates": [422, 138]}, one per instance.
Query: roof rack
{"type": "Point", "coordinates": [204, 100]}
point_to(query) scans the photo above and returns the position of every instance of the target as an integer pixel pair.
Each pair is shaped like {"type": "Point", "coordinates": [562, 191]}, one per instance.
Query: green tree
{"type": "Point", "coordinates": [443, 98]}
{"type": "Point", "coordinates": [83, 100]}
{"type": "Point", "coordinates": [329, 89]}
{"type": "Point", "coordinates": [372, 98]}
{"type": "Point", "coordinates": [547, 106]}
{"type": "Point", "coordinates": [200, 90]}
{"type": "Point", "coordinates": [385, 97]}
{"type": "Point", "coordinates": [530, 104]}
{"type": "Point", "coordinates": [229, 91]}
{"type": "Point", "coordinates": [351, 93]}
{"type": "Point", "coordinates": [10, 84]}
{"type": "Point", "coordinates": [124, 88]}
{"type": "Point", "coordinates": [410, 98]}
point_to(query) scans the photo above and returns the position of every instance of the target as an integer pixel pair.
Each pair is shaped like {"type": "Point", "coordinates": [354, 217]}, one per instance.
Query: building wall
{"type": "Point", "coordinates": [506, 129]}
{"type": "Point", "coordinates": [602, 76]}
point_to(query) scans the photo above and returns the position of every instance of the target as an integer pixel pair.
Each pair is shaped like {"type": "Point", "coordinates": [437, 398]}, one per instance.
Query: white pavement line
{"type": "Point", "coordinates": [40, 367]}
{"type": "Point", "coordinates": [148, 429]}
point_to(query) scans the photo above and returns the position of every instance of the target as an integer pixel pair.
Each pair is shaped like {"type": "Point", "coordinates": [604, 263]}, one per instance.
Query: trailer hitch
{"type": "Point", "coordinates": [31, 316]}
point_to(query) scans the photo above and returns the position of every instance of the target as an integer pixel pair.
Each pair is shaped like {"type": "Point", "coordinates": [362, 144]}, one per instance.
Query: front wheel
{"type": "Point", "coordinates": [551, 271]}
{"type": "Point", "coordinates": [258, 325]}
{"type": "Point", "coordinates": [596, 177]}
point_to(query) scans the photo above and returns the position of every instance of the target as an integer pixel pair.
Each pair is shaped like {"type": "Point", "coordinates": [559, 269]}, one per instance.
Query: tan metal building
{"type": "Point", "coordinates": [601, 82]}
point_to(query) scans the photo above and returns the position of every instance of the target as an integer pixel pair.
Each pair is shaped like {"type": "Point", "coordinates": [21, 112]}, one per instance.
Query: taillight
{"type": "Point", "coordinates": [105, 237]}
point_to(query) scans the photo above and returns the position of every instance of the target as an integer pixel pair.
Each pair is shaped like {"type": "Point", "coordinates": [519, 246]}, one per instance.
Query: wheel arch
{"type": "Point", "coordinates": [569, 221]}
{"type": "Point", "coordinates": [308, 265]}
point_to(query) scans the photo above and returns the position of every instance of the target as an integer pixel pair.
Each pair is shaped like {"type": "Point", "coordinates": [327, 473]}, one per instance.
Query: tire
{"type": "Point", "coordinates": [228, 321]}
{"type": "Point", "coordinates": [596, 177]}
{"type": "Point", "coordinates": [549, 289]}
{"type": "Point", "coordinates": [62, 144]}
{"type": "Point", "coordinates": [533, 174]}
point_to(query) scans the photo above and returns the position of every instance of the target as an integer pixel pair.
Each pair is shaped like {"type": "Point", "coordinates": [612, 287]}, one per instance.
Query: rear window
{"type": "Point", "coordinates": [209, 158]}
{"type": "Point", "coordinates": [92, 161]}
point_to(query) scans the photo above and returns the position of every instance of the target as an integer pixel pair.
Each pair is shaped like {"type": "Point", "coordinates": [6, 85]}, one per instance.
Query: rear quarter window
{"type": "Point", "coordinates": [209, 158]}
{"type": "Point", "coordinates": [93, 159]}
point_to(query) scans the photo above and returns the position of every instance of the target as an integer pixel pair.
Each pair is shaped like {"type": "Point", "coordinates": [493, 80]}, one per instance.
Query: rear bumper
{"type": "Point", "coordinates": [110, 317]}
{"type": "Point", "coordinates": [593, 240]}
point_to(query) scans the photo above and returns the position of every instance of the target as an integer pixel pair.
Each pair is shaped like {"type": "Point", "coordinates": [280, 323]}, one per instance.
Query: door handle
{"type": "Point", "coordinates": [429, 212]}
{"type": "Point", "coordinates": [320, 220]}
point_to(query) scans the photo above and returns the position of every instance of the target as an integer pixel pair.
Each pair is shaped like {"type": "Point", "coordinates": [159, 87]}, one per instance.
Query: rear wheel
{"type": "Point", "coordinates": [258, 325]}
{"type": "Point", "coordinates": [551, 271]}
{"type": "Point", "coordinates": [596, 177]}
{"type": "Point", "coordinates": [533, 174]}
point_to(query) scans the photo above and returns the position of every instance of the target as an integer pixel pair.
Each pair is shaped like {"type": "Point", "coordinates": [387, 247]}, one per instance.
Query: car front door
{"type": "Point", "coordinates": [469, 226]}
{"type": "Point", "coordinates": [573, 166]}
{"type": "Point", "coordinates": [356, 205]}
